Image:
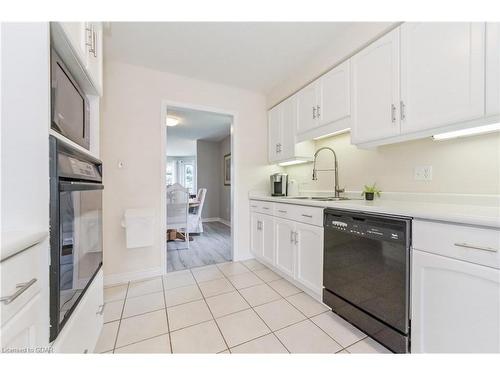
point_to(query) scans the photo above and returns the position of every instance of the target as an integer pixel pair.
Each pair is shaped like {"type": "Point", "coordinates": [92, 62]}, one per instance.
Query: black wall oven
{"type": "Point", "coordinates": [75, 229]}
{"type": "Point", "coordinates": [366, 275]}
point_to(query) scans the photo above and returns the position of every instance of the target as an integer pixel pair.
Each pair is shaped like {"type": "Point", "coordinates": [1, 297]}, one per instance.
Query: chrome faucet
{"type": "Point", "coordinates": [335, 169]}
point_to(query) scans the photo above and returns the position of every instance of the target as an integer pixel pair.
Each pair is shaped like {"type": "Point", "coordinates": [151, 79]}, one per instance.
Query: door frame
{"type": "Point", "coordinates": [165, 104]}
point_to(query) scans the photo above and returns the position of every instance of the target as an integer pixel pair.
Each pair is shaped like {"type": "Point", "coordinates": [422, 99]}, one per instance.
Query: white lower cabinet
{"type": "Point", "coordinates": [293, 246]}
{"type": "Point", "coordinates": [82, 330]}
{"type": "Point", "coordinates": [455, 306]}
{"type": "Point", "coordinates": [285, 246]}
{"type": "Point", "coordinates": [309, 247]}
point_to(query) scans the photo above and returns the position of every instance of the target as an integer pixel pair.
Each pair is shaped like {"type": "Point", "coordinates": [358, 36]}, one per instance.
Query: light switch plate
{"type": "Point", "coordinates": [423, 173]}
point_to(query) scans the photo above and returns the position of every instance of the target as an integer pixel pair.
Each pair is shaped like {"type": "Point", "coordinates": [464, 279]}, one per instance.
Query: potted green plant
{"type": "Point", "coordinates": [369, 192]}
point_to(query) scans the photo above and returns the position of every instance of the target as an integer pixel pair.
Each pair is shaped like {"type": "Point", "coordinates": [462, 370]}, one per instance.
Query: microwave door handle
{"type": "Point", "coordinates": [77, 185]}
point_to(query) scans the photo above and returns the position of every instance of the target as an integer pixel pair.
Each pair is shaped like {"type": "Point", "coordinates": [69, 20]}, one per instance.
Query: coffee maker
{"type": "Point", "coordinates": [279, 185]}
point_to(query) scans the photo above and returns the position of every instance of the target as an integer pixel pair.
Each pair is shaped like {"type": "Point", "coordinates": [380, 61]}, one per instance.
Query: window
{"type": "Point", "coordinates": [189, 177]}
{"type": "Point", "coordinates": [182, 170]}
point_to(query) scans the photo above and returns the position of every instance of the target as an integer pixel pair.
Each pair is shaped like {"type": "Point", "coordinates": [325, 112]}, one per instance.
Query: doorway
{"type": "Point", "coordinates": [198, 187]}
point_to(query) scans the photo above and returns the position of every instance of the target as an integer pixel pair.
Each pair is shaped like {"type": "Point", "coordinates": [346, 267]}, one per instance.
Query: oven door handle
{"type": "Point", "coordinates": [77, 185]}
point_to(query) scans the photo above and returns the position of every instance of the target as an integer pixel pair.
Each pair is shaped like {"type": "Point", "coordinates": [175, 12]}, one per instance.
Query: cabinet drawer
{"type": "Point", "coordinates": [306, 214]}
{"type": "Point", "coordinates": [471, 244]}
{"type": "Point", "coordinates": [262, 207]}
{"type": "Point", "coordinates": [284, 210]}
{"type": "Point", "coordinates": [20, 269]}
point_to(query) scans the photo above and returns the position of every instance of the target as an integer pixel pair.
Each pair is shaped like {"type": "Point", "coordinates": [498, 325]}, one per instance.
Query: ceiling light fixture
{"type": "Point", "coordinates": [172, 121]}
{"type": "Point", "coordinates": [467, 132]}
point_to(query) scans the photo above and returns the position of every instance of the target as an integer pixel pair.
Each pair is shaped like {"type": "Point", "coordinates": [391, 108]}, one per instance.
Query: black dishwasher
{"type": "Point", "coordinates": [366, 274]}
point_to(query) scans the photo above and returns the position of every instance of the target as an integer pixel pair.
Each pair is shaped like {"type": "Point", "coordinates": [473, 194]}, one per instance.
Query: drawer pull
{"type": "Point", "coordinates": [253, 206]}
{"type": "Point", "coordinates": [309, 216]}
{"type": "Point", "coordinates": [23, 287]}
{"type": "Point", "coordinates": [282, 211]}
{"type": "Point", "coordinates": [265, 208]}
{"type": "Point", "coordinates": [101, 310]}
{"type": "Point", "coordinates": [485, 248]}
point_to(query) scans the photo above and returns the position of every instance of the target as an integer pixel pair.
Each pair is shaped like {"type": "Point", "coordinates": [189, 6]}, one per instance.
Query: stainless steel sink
{"type": "Point", "coordinates": [326, 199]}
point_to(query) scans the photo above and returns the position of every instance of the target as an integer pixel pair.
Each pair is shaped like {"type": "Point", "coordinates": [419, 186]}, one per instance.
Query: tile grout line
{"type": "Point", "coordinates": [271, 331]}
{"type": "Point", "coordinates": [121, 316]}
{"type": "Point", "coordinates": [210, 310]}
{"type": "Point", "coordinates": [166, 314]}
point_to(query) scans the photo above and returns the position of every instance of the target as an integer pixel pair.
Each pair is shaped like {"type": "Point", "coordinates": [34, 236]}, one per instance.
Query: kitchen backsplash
{"type": "Point", "coordinates": [464, 165]}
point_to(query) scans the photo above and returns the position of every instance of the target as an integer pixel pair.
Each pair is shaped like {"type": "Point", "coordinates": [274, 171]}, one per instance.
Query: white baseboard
{"type": "Point", "coordinates": [120, 278]}
{"type": "Point", "coordinates": [220, 220]}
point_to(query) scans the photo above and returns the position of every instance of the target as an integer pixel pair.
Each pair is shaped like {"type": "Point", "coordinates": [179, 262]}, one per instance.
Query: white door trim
{"type": "Point", "coordinates": [163, 178]}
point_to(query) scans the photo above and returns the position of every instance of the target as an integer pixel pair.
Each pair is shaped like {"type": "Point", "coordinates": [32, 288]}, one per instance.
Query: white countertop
{"type": "Point", "coordinates": [449, 211]}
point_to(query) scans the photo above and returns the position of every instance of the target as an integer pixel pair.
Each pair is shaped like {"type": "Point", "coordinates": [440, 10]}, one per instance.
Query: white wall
{"type": "Point", "coordinates": [463, 165]}
{"type": "Point", "coordinates": [177, 146]}
{"type": "Point", "coordinates": [209, 176]}
{"type": "Point", "coordinates": [131, 132]}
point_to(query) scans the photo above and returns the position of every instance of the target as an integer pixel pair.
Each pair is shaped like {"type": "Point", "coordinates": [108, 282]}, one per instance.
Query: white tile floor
{"type": "Point", "coordinates": [234, 307]}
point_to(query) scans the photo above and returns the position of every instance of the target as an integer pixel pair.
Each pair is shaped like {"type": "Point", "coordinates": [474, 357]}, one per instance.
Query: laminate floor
{"type": "Point", "coordinates": [210, 247]}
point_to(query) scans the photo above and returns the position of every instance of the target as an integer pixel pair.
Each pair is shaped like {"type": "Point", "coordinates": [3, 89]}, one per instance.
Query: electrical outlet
{"type": "Point", "coordinates": [423, 173]}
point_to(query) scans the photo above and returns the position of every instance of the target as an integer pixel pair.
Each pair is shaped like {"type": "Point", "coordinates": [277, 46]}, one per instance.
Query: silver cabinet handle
{"type": "Point", "coordinates": [276, 148]}
{"type": "Point", "coordinates": [296, 236]}
{"type": "Point", "coordinates": [265, 208]}
{"type": "Point", "coordinates": [402, 110]}
{"type": "Point", "coordinates": [309, 216]}
{"type": "Point", "coordinates": [101, 310]}
{"type": "Point", "coordinates": [318, 114]}
{"type": "Point", "coordinates": [94, 37]}
{"type": "Point", "coordinates": [466, 245]}
{"type": "Point", "coordinates": [253, 206]}
{"type": "Point", "coordinates": [291, 236]}
{"type": "Point", "coordinates": [259, 225]}
{"type": "Point", "coordinates": [23, 287]}
{"type": "Point", "coordinates": [314, 113]}
{"type": "Point", "coordinates": [393, 113]}
{"type": "Point", "coordinates": [282, 211]}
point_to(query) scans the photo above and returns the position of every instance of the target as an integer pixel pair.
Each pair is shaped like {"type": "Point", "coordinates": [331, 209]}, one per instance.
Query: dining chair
{"type": "Point", "coordinates": [178, 210]}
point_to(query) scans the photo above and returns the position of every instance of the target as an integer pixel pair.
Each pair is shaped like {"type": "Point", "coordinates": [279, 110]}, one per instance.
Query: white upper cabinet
{"type": "Point", "coordinates": [275, 120]}
{"type": "Point", "coordinates": [334, 90]}
{"type": "Point", "coordinates": [492, 69]}
{"type": "Point", "coordinates": [375, 90]}
{"type": "Point", "coordinates": [85, 40]}
{"type": "Point", "coordinates": [442, 74]}
{"type": "Point", "coordinates": [94, 53]}
{"type": "Point", "coordinates": [324, 105]}
{"type": "Point", "coordinates": [282, 142]}
{"type": "Point", "coordinates": [307, 100]}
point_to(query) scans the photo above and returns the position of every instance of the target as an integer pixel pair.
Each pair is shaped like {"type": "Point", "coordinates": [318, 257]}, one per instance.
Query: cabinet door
{"type": "Point", "coordinates": [288, 128]}
{"type": "Point", "coordinates": [77, 35]}
{"type": "Point", "coordinates": [309, 270]}
{"type": "Point", "coordinates": [455, 306]}
{"type": "Point", "coordinates": [274, 128]}
{"type": "Point", "coordinates": [24, 330]}
{"type": "Point", "coordinates": [335, 95]}
{"type": "Point", "coordinates": [256, 238]}
{"type": "Point", "coordinates": [492, 69]}
{"type": "Point", "coordinates": [284, 245]}
{"type": "Point", "coordinates": [307, 106]}
{"type": "Point", "coordinates": [375, 90]}
{"type": "Point", "coordinates": [268, 253]}
{"type": "Point", "coordinates": [442, 74]}
{"type": "Point", "coordinates": [94, 54]}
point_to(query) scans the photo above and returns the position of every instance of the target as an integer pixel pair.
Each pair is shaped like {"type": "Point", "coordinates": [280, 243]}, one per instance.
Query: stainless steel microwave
{"type": "Point", "coordinates": [70, 110]}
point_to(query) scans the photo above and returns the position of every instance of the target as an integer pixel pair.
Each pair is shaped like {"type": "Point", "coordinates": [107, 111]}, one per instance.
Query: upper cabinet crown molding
{"type": "Point", "coordinates": [80, 46]}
